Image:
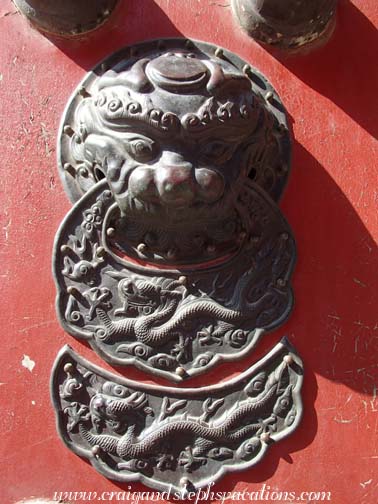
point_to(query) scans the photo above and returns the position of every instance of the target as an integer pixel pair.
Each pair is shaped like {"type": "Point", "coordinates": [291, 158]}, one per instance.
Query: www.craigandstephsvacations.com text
{"type": "Point", "coordinates": [263, 494]}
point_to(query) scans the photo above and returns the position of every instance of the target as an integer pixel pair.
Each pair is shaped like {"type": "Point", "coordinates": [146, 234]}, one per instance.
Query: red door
{"type": "Point", "coordinates": [330, 202]}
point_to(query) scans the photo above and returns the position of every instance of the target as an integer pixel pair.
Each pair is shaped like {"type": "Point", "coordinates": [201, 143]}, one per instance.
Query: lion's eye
{"type": "Point", "coordinates": [142, 149]}
{"type": "Point", "coordinates": [217, 152]}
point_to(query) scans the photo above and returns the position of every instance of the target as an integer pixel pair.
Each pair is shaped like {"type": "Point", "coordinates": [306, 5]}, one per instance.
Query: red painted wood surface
{"type": "Point", "coordinates": [331, 204]}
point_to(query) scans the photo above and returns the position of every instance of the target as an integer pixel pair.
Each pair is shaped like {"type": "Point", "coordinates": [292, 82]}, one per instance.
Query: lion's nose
{"type": "Point", "coordinates": [142, 184]}
{"type": "Point", "coordinates": [211, 185]}
{"type": "Point", "coordinates": [175, 180]}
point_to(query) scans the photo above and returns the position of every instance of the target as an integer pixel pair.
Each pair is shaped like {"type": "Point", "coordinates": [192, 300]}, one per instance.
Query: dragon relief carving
{"type": "Point", "coordinates": [165, 436]}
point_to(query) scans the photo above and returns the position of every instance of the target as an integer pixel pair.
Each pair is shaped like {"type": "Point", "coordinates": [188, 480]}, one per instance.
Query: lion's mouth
{"type": "Point", "coordinates": [157, 212]}
{"type": "Point", "coordinates": [152, 233]}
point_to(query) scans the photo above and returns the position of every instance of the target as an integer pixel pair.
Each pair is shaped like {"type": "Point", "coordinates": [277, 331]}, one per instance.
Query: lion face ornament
{"type": "Point", "coordinates": [175, 255]}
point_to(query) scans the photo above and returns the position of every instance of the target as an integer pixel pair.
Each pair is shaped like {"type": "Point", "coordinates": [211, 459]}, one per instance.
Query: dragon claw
{"type": "Point", "coordinates": [266, 425]}
{"type": "Point", "coordinates": [189, 460]}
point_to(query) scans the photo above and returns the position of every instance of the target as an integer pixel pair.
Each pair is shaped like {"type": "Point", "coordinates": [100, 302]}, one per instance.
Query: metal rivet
{"type": "Point", "coordinates": [281, 282]}
{"type": "Point", "coordinates": [96, 450]}
{"type": "Point", "coordinates": [265, 437]}
{"type": "Point", "coordinates": [269, 96]}
{"type": "Point", "coordinates": [100, 252]}
{"type": "Point", "coordinates": [64, 249]}
{"type": "Point", "coordinates": [142, 248]}
{"type": "Point", "coordinates": [184, 482]}
{"type": "Point", "coordinates": [83, 92]}
{"type": "Point", "coordinates": [69, 368]}
{"type": "Point", "coordinates": [182, 280]}
{"type": "Point", "coordinates": [68, 130]}
{"type": "Point", "coordinates": [72, 290]}
{"type": "Point", "coordinates": [246, 69]}
{"type": "Point", "coordinates": [110, 231]}
{"type": "Point", "coordinates": [285, 236]}
{"type": "Point", "coordinates": [180, 371]}
{"type": "Point", "coordinates": [189, 44]}
{"type": "Point", "coordinates": [288, 359]}
{"type": "Point", "coordinates": [219, 52]}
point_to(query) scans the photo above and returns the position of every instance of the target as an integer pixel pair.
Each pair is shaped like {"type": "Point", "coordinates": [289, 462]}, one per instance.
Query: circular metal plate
{"type": "Point", "coordinates": [269, 164]}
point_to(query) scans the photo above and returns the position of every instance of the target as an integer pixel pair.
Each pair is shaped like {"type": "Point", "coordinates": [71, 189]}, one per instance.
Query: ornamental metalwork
{"type": "Point", "coordinates": [176, 439]}
{"type": "Point", "coordinates": [174, 257]}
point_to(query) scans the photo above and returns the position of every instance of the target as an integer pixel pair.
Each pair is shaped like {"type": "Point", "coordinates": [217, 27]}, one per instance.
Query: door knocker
{"type": "Point", "coordinates": [175, 255]}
